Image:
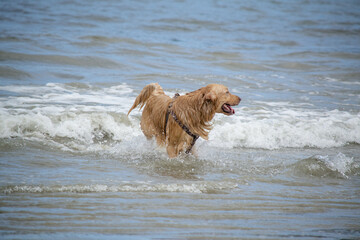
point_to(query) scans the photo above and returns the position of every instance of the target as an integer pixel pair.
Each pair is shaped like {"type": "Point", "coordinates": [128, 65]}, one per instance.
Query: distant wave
{"type": "Point", "coordinates": [80, 61]}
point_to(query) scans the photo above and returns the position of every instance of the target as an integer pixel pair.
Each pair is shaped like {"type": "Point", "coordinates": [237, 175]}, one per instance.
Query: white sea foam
{"type": "Point", "coordinates": [77, 117]}
{"type": "Point", "coordinates": [195, 187]}
{"type": "Point", "coordinates": [67, 98]}
{"type": "Point", "coordinates": [283, 128]}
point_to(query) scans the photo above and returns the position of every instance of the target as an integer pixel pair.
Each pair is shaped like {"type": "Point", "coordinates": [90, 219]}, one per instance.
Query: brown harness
{"type": "Point", "coordinates": [183, 126]}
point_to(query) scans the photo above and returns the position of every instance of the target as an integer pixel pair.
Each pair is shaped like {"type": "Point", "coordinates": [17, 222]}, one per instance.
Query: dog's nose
{"type": "Point", "coordinates": [239, 99]}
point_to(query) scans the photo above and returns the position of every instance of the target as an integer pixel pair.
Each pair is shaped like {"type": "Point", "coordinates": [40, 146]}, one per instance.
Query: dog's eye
{"type": "Point", "coordinates": [227, 92]}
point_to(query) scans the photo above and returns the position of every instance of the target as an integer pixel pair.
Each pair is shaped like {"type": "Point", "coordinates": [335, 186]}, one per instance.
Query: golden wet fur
{"type": "Point", "coordinates": [195, 110]}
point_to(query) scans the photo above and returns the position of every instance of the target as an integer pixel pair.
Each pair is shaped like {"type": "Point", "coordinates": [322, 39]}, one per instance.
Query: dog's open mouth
{"type": "Point", "coordinates": [227, 109]}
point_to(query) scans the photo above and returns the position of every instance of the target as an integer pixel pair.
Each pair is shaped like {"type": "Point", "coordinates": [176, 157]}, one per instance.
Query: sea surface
{"type": "Point", "coordinates": [73, 165]}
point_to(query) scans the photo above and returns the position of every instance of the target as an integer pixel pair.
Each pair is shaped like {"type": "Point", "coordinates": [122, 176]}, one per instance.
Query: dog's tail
{"type": "Point", "coordinates": [144, 95]}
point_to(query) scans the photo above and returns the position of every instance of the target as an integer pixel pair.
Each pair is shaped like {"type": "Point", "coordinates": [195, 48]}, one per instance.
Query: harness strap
{"type": "Point", "coordinates": [168, 112]}
{"type": "Point", "coordinates": [187, 130]}
{"type": "Point", "coordinates": [184, 127]}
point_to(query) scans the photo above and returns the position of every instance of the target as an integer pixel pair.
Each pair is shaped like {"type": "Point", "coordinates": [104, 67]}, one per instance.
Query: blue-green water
{"type": "Point", "coordinates": [73, 165]}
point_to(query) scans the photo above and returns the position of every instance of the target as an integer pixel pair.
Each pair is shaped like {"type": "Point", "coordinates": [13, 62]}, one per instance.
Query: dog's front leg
{"type": "Point", "coordinates": [172, 151]}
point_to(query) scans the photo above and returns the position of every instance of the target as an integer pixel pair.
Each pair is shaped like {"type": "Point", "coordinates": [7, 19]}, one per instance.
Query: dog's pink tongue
{"type": "Point", "coordinates": [232, 111]}
{"type": "Point", "coordinates": [228, 109]}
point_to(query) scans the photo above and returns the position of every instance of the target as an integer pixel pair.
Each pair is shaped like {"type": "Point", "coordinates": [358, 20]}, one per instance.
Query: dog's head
{"type": "Point", "coordinates": [222, 99]}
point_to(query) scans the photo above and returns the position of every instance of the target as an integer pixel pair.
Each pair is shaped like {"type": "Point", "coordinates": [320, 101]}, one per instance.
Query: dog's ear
{"type": "Point", "coordinates": [211, 96]}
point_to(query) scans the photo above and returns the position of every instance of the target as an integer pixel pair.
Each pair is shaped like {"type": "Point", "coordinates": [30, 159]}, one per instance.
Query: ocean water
{"type": "Point", "coordinates": [73, 165]}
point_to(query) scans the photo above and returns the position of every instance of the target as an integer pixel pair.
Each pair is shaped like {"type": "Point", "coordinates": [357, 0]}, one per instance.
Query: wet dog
{"type": "Point", "coordinates": [178, 122]}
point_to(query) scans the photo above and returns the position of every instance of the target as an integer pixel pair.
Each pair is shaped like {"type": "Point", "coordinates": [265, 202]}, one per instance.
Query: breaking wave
{"type": "Point", "coordinates": [80, 117]}
{"type": "Point", "coordinates": [335, 166]}
{"type": "Point", "coordinates": [287, 128]}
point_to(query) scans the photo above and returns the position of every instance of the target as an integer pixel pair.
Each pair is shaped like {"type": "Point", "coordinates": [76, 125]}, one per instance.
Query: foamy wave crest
{"type": "Point", "coordinates": [70, 131]}
{"type": "Point", "coordinates": [82, 117]}
{"type": "Point", "coordinates": [286, 128]}
{"type": "Point", "coordinates": [71, 117]}
{"type": "Point", "coordinates": [198, 187]}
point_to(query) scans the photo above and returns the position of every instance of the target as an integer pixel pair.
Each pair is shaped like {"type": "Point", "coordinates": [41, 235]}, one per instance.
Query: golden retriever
{"type": "Point", "coordinates": [177, 122]}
